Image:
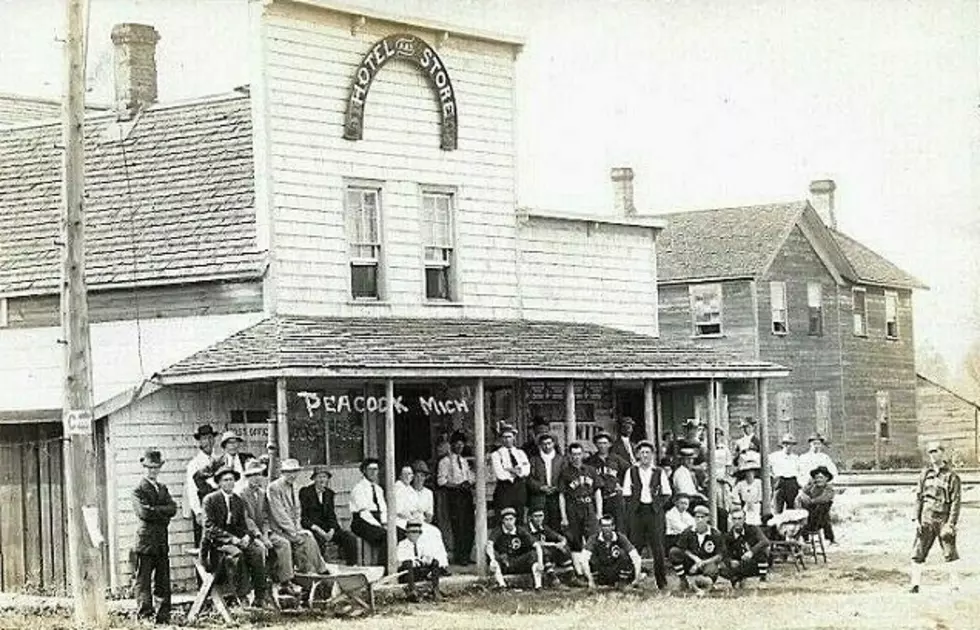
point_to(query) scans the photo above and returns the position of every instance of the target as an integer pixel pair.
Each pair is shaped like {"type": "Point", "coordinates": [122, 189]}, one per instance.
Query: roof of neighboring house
{"type": "Point", "coordinates": [703, 245]}
{"type": "Point", "coordinates": [171, 202]}
{"type": "Point", "coordinates": [18, 109]}
{"type": "Point", "coordinates": [952, 391]}
{"type": "Point", "coordinates": [320, 346]}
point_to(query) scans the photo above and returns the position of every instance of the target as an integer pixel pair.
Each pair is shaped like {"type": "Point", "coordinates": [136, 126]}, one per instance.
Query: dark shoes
{"type": "Point", "coordinates": [914, 589]}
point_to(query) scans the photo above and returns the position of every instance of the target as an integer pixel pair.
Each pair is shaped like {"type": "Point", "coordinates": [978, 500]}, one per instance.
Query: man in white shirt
{"type": "Point", "coordinates": [510, 469]}
{"type": "Point", "coordinates": [419, 562]}
{"type": "Point", "coordinates": [679, 520]}
{"type": "Point", "coordinates": [784, 465]}
{"type": "Point", "coordinates": [369, 512]}
{"type": "Point", "coordinates": [683, 478]}
{"type": "Point", "coordinates": [646, 489]}
{"type": "Point", "coordinates": [194, 492]}
{"type": "Point", "coordinates": [814, 458]}
{"type": "Point", "coordinates": [456, 477]}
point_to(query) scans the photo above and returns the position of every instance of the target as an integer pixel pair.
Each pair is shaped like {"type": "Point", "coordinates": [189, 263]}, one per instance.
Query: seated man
{"type": "Point", "coordinates": [678, 519]}
{"type": "Point", "coordinates": [747, 549]}
{"type": "Point", "coordinates": [317, 514]}
{"type": "Point", "coordinates": [512, 551]}
{"type": "Point", "coordinates": [611, 556]}
{"type": "Point", "coordinates": [368, 509]}
{"type": "Point", "coordinates": [698, 556]}
{"type": "Point", "coordinates": [817, 498]}
{"type": "Point", "coordinates": [418, 561]}
{"type": "Point", "coordinates": [226, 546]}
{"type": "Point", "coordinates": [286, 520]}
{"type": "Point", "coordinates": [554, 546]}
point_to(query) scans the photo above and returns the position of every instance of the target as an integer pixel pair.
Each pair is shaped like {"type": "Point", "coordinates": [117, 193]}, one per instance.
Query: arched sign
{"type": "Point", "coordinates": [413, 50]}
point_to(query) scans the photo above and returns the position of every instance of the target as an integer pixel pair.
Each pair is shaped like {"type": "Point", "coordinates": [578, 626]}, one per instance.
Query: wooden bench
{"type": "Point", "coordinates": [207, 590]}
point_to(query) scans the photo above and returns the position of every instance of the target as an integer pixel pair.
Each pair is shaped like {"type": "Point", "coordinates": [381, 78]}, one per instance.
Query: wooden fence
{"type": "Point", "coordinates": [33, 543]}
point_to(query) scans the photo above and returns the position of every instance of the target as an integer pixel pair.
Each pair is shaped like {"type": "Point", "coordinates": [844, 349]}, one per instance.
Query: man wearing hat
{"type": "Point", "coordinates": [286, 517]}
{"type": "Point", "coordinates": [319, 515]}
{"type": "Point", "coordinates": [815, 457]}
{"type": "Point", "coordinates": [817, 497]}
{"type": "Point", "coordinates": [937, 511]}
{"type": "Point", "coordinates": [646, 489]}
{"type": "Point", "coordinates": [580, 503]}
{"type": "Point", "coordinates": [227, 547]}
{"type": "Point", "coordinates": [698, 557]}
{"type": "Point", "coordinates": [512, 551]}
{"type": "Point", "coordinates": [539, 427]}
{"type": "Point", "coordinates": [542, 484]}
{"type": "Point", "coordinates": [278, 552]}
{"type": "Point", "coordinates": [419, 561]}
{"type": "Point", "coordinates": [623, 446]}
{"type": "Point", "coordinates": [232, 458]}
{"type": "Point", "coordinates": [510, 469]}
{"type": "Point", "coordinates": [610, 468]}
{"type": "Point", "coordinates": [749, 440]}
{"type": "Point", "coordinates": [785, 467]}
{"type": "Point", "coordinates": [611, 556]}
{"type": "Point", "coordinates": [196, 489]}
{"type": "Point", "coordinates": [455, 477]}
{"type": "Point", "coordinates": [153, 507]}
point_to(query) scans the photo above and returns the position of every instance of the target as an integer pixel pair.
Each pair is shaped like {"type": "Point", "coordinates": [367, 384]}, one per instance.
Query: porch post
{"type": "Point", "coordinates": [570, 431]}
{"type": "Point", "coordinates": [278, 442]}
{"type": "Point", "coordinates": [480, 496]}
{"type": "Point", "coordinates": [762, 408]}
{"type": "Point", "coordinates": [658, 410]}
{"type": "Point", "coordinates": [649, 420]}
{"type": "Point", "coordinates": [712, 423]}
{"type": "Point", "coordinates": [392, 534]}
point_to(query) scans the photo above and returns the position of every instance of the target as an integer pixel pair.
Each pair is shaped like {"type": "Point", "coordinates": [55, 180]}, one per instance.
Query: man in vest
{"type": "Point", "coordinates": [747, 549]}
{"type": "Point", "coordinates": [612, 556]}
{"type": "Point", "coordinates": [611, 469]}
{"type": "Point", "coordinates": [698, 557]}
{"type": "Point", "coordinates": [153, 507]}
{"type": "Point", "coordinates": [937, 511]}
{"type": "Point", "coordinates": [510, 469]}
{"type": "Point", "coordinates": [580, 503]}
{"type": "Point", "coordinates": [647, 489]}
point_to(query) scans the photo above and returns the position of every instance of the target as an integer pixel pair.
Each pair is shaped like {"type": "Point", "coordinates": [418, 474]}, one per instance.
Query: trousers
{"type": "Point", "coordinates": [153, 579]}
{"type": "Point", "coordinates": [648, 528]}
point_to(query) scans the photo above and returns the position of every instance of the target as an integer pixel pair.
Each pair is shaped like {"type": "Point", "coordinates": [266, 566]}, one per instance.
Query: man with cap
{"type": "Point", "coordinates": [512, 551]}
{"type": "Point", "coordinates": [580, 504]}
{"type": "Point", "coordinates": [369, 511]}
{"type": "Point", "coordinates": [746, 548]}
{"type": "Point", "coordinates": [278, 552]}
{"type": "Point", "coordinates": [623, 446]}
{"type": "Point", "coordinates": [546, 468]}
{"type": "Point", "coordinates": [318, 514]}
{"type": "Point", "coordinates": [610, 468]}
{"type": "Point", "coordinates": [611, 556]}
{"type": "Point", "coordinates": [785, 467]}
{"type": "Point", "coordinates": [286, 516]}
{"type": "Point", "coordinates": [539, 427]}
{"type": "Point", "coordinates": [419, 561]}
{"type": "Point", "coordinates": [455, 477]}
{"type": "Point", "coordinates": [817, 497]}
{"type": "Point", "coordinates": [814, 457]}
{"type": "Point", "coordinates": [227, 547]}
{"type": "Point", "coordinates": [698, 557]}
{"type": "Point", "coordinates": [232, 458]}
{"type": "Point", "coordinates": [554, 546]}
{"type": "Point", "coordinates": [196, 489]}
{"type": "Point", "coordinates": [510, 469]}
{"type": "Point", "coordinates": [646, 489]}
{"type": "Point", "coordinates": [748, 442]}
{"type": "Point", "coordinates": [153, 507]}
{"type": "Point", "coordinates": [937, 511]}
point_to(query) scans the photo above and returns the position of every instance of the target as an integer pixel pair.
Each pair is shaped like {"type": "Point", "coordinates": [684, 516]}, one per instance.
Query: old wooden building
{"type": "Point", "coordinates": [780, 283]}
{"type": "Point", "coordinates": [950, 416]}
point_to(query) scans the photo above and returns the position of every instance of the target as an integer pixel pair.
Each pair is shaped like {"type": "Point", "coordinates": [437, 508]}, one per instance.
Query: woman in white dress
{"type": "Point", "coordinates": [748, 489]}
{"type": "Point", "coordinates": [413, 501]}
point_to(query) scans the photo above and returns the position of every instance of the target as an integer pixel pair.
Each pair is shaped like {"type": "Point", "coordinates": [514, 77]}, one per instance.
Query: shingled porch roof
{"type": "Point", "coordinates": [290, 346]}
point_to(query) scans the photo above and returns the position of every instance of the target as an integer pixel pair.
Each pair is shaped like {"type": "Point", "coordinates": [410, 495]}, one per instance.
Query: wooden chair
{"type": "Point", "coordinates": [816, 547]}
{"type": "Point", "coordinates": [787, 551]}
{"type": "Point", "coordinates": [208, 589]}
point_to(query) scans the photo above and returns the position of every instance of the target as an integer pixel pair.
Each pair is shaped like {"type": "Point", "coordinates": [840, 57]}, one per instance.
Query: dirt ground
{"type": "Point", "coordinates": [864, 585]}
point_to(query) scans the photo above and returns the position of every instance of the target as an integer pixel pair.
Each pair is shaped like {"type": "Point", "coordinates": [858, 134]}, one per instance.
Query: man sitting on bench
{"type": "Point", "coordinates": [417, 558]}
{"type": "Point", "coordinates": [512, 550]}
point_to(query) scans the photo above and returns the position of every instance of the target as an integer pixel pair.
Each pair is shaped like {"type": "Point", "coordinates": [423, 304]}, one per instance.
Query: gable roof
{"type": "Point", "coordinates": [18, 109]}
{"type": "Point", "coordinates": [173, 201]}
{"type": "Point", "coordinates": [729, 243]}
{"type": "Point", "coordinates": [377, 347]}
{"type": "Point", "coordinates": [948, 389]}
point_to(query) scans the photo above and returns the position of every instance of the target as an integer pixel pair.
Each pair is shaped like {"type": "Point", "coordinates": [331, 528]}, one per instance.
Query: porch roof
{"type": "Point", "coordinates": [293, 346]}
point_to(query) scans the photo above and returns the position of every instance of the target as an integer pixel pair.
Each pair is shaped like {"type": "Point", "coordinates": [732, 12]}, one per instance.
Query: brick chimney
{"type": "Point", "coordinates": [822, 200]}
{"type": "Point", "coordinates": [136, 67]}
{"type": "Point", "coordinates": [622, 181]}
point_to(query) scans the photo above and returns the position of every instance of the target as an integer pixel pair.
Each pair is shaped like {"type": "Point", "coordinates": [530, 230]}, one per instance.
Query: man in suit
{"type": "Point", "coordinates": [318, 514]}
{"type": "Point", "coordinates": [227, 548]}
{"type": "Point", "coordinates": [455, 477]}
{"type": "Point", "coordinates": [278, 552]}
{"type": "Point", "coordinates": [287, 521]}
{"type": "Point", "coordinates": [195, 491]}
{"type": "Point", "coordinates": [623, 446]}
{"type": "Point", "coordinates": [539, 427]}
{"type": "Point", "coordinates": [154, 508]}
{"type": "Point", "coordinates": [546, 468]}
{"type": "Point", "coordinates": [511, 469]}
{"type": "Point", "coordinates": [232, 458]}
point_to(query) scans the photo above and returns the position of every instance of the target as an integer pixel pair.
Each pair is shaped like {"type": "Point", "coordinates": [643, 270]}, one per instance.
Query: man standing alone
{"type": "Point", "coordinates": [455, 477]}
{"type": "Point", "coordinates": [937, 510]}
{"type": "Point", "coordinates": [154, 508]}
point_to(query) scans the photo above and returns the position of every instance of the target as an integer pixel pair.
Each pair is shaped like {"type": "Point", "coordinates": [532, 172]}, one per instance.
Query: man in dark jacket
{"type": "Point", "coordinates": [611, 469]}
{"type": "Point", "coordinates": [747, 549]}
{"type": "Point", "coordinates": [542, 483]}
{"type": "Point", "coordinates": [320, 517]}
{"type": "Point", "coordinates": [699, 554]}
{"type": "Point", "coordinates": [154, 508]}
{"type": "Point", "coordinates": [226, 547]}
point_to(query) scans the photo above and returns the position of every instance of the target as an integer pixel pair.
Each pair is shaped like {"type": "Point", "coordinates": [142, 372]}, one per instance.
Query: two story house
{"type": "Point", "coordinates": [780, 283]}
{"type": "Point", "coordinates": [330, 261]}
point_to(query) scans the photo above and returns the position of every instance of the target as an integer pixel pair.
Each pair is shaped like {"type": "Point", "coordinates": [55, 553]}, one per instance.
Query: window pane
{"type": "Point", "coordinates": [777, 293]}
{"type": "Point", "coordinates": [814, 294]}
{"type": "Point", "coordinates": [437, 283]}
{"type": "Point", "coordinates": [816, 321]}
{"type": "Point", "coordinates": [364, 281]}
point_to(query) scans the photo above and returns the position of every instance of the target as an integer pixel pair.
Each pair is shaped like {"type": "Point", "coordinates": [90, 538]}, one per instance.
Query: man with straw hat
{"type": "Point", "coordinates": [510, 469]}
{"type": "Point", "coordinates": [417, 559]}
{"type": "Point", "coordinates": [153, 507]}
{"type": "Point", "coordinates": [784, 465]}
{"type": "Point", "coordinates": [279, 553]}
{"type": "Point", "coordinates": [937, 511]}
{"type": "Point", "coordinates": [287, 520]}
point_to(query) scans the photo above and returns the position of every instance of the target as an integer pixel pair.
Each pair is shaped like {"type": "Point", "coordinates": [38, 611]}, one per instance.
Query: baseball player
{"type": "Point", "coordinates": [698, 557]}
{"type": "Point", "coordinates": [937, 509]}
{"type": "Point", "coordinates": [580, 503]}
{"type": "Point", "coordinates": [512, 551]}
{"type": "Point", "coordinates": [613, 557]}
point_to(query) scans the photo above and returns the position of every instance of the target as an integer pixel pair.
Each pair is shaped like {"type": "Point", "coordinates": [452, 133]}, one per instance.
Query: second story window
{"type": "Point", "coordinates": [777, 299]}
{"type": "Point", "coordinates": [891, 314]}
{"type": "Point", "coordinates": [814, 303]}
{"type": "Point", "coordinates": [437, 232]}
{"type": "Point", "coordinates": [859, 312]}
{"type": "Point", "coordinates": [706, 309]}
{"type": "Point", "coordinates": [364, 241]}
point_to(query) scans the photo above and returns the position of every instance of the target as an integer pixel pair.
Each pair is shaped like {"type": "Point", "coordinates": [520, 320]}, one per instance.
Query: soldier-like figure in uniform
{"type": "Point", "coordinates": [937, 510]}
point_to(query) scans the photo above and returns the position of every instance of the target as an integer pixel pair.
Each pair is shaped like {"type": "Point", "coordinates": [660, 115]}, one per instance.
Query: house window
{"type": "Point", "coordinates": [777, 298]}
{"type": "Point", "coordinates": [784, 411]}
{"type": "Point", "coordinates": [884, 405]}
{"type": "Point", "coordinates": [706, 309]}
{"type": "Point", "coordinates": [252, 425]}
{"type": "Point", "coordinates": [822, 407]}
{"type": "Point", "coordinates": [437, 219]}
{"type": "Point", "coordinates": [891, 314]}
{"type": "Point", "coordinates": [364, 240]}
{"type": "Point", "coordinates": [860, 312]}
{"type": "Point", "coordinates": [814, 303]}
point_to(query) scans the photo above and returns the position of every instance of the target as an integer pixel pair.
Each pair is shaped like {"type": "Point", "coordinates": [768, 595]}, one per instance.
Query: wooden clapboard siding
{"type": "Point", "coordinates": [182, 300]}
{"type": "Point", "coordinates": [947, 416]}
{"type": "Point", "coordinates": [604, 274]}
{"type": "Point", "coordinates": [737, 317]}
{"type": "Point", "coordinates": [310, 60]}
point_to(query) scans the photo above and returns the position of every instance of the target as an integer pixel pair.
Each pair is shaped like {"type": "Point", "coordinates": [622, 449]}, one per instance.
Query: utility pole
{"type": "Point", "coordinates": [84, 530]}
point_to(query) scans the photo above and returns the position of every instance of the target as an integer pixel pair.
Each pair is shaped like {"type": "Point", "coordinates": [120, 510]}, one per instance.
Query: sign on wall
{"type": "Point", "coordinates": [414, 50]}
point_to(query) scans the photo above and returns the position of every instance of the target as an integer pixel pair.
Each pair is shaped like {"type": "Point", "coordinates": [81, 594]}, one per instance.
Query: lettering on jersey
{"type": "Point", "coordinates": [709, 546]}
{"type": "Point", "coordinates": [515, 543]}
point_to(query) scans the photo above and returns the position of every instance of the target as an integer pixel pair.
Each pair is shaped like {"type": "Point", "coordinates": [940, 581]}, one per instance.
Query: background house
{"type": "Point", "coordinates": [950, 416]}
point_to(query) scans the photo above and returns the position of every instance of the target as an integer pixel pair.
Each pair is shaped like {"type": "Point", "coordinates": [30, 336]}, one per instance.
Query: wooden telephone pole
{"type": "Point", "coordinates": [84, 530]}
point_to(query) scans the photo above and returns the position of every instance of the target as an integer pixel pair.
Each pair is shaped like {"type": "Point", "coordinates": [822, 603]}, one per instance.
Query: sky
{"type": "Point", "coordinates": [713, 103]}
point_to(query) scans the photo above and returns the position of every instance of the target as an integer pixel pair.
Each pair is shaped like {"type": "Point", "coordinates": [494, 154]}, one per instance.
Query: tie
{"type": "Point", "coordinates": [374, 496]}
{"type": "Point", "coordinates": [513, 458]}
{"type": "Point", "coordinates": [416, 548]}
{"type": "Point", "coordinates": [459, 469]}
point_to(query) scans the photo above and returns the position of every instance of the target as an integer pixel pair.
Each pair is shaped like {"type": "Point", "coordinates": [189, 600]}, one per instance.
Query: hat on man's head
{"type": "Point", "coordinates": [289, 465]}
{"type": "Point", "coordinates": [227, 436]}
{"type": "Point", "coordinates": [601, 434]}
{"type": "Point", "coordinates": [691, 422]}
{"type": "Point", "coordinates": [321, 470]}
{"type": "Point", "coordinates": [747, 421]}
{"type": "Point", "coordinates": [254, 467]}
{"type": "Point", "coordinates": [687, 451]}
{"type": "Point", "coordinates": [626, 420]}
{"type": "Point", "coordinates": [607, 520]}
{"type": "Point", "coordinates": [204, 430]}
{"type": "Point", "coordinates": [152, 458]}
{"type": "Point", "coordinates": [822, 470]}
{"type": "Point", "coordinates": [645, 444]}
{"type": "Point", "coordinates": [419, 466]}
{"type": "Point", "coordinates": [701, 510]}
{"type": "Point", "coordinates": [414, 525]}
{"type": "Point", "coordinates": [935, 447]}
{"type": "Point", "coordinates": [505, 429]}
{"type": "Point", "coordinates": [748, 464]}
{"type": "Point", "coordinates": [457, 436]}
{"type": "Point", "coordinates": [788, 438]}
{"type": "Point", "coordinates": [816, 437]}
{"type": "Point", "coordinates": [508, 511]}
{"type": "Point", "coordinates": [545, 436]}
{"type": "Point", "coordinates": [226, 470]}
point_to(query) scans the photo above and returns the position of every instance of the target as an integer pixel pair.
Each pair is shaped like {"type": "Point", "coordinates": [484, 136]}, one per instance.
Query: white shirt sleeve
{"type": "Point", "coordinates": [498, 466]}
{"type": "Point", "coordinates": [664, 483]}
{"type": "Point", "coordinates": [628, 484]}
{"type": "Point", "coordinates": [523, 463]}
{"type": "Point", "coordinates": [443, 469]}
